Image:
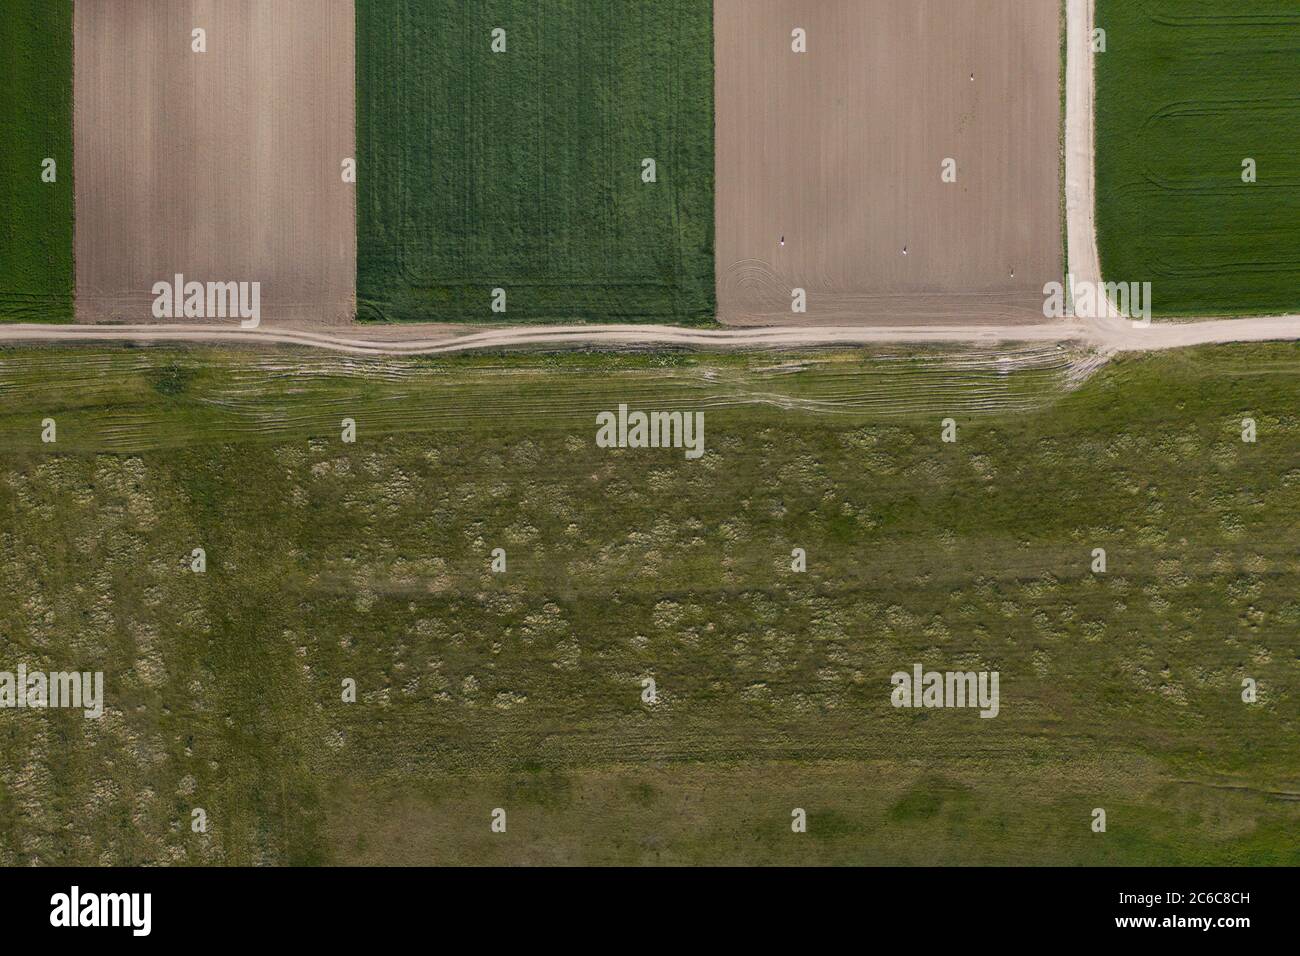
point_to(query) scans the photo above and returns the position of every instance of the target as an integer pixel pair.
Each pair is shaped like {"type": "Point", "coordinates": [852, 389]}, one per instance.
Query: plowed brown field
{"type": "Point", "coordinates": [840, 150]}
{"type": "Point", "coordinates": [224, 166]}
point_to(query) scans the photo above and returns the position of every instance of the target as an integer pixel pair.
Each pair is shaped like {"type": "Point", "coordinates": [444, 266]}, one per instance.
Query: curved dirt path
{"type": "Point", "coordinates": [408, 340]}
{"type": "Point", "coordinates": [1106, 335]}
{"type": "Point", "coordinates": [1108, 340]}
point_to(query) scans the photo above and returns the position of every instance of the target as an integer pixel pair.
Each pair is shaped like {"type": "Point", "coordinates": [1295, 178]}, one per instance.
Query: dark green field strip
{"type": "Point", "coordinates": [522, 170]}
{"type": "Point", "coordinates": [370, 561]}
{"type": "Point", "coordinates": [1186, 92]}
{"type": "Point", "coordinates": [36, 279]}
{"type": "Point", "coordinates": [1214, 13]}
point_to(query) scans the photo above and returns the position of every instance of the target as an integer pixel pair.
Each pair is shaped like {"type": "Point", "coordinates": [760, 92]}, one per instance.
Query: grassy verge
{"type": "Point", "coordinates": [370, 561]}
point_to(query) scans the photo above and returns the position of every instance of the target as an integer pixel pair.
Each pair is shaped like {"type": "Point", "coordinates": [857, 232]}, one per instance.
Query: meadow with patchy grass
{"type": "Point", "coordinates": [36, 119]}
{"type": "Point", "coordinates": [522, 690]}
{"type": "Point", "coordinates": [1187, 90]}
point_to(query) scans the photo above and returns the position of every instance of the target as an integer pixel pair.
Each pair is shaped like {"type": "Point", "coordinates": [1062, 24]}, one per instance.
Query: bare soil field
{"type": "Point", "coordinates": [840, 151]}
{"type": "Point", "coordinates": [224, 165]}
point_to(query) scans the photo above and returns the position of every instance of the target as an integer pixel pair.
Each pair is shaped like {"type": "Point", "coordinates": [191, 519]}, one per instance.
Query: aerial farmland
{"type": "Point", "coordinates": [347, 357]}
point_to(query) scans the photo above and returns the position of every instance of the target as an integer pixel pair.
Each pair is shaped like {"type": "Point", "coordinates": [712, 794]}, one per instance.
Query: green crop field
{"type": "Point", "coordinates": [522, 170]}
{"type": "Point", "coordinates": [36, 124]}
{"type": "Point", "coordinates": [1186, 91]}
{"type": "Point", "coordinates": [370, 561]}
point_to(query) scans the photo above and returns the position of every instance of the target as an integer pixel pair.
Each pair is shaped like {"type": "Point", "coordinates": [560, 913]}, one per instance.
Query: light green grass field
{"type": "Point", "coordinates": [370, 561]}
{"type": "Point", "coordinates": [36, 124]}
{"type": "Point", "coordinates": [522, 170]}
{"type": "Point", "coordinates": [1187, 90]}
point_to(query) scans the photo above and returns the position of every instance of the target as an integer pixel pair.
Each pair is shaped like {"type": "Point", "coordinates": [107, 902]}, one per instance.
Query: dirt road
{"type": "Point", "coordinates": [414, 340]}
